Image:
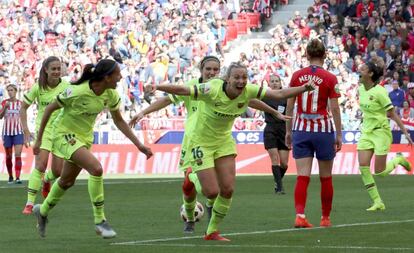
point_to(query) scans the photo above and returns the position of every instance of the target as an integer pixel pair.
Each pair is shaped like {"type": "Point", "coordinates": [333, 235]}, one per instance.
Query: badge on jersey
{"type": "Point", "coordinates": [240, 105]}
{"type": "Point", "coordinates": [204, 88]}
{"type": "Point", "coordinates": [337, 90]}
{"type": "Point", "coordinates": [67, 93]}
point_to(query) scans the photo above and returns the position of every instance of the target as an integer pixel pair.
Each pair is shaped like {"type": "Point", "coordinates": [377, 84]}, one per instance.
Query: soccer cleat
{"type": "Point", "coordinates": [28, 209]}
{"type": "Point", "coordinates": [378, 206]}
{"type": "Point", "coordinates": [302, 223]}
{"type": "Point", "coordinates": [215, 236]}
{"type": "Point", "coordinates": [104, 229]}
{"type": "Point", "coordinates": [11, 180]}
{"type": "Point", "coordinates": [18, 181]}
{"type": "Point", "coordinates": [405, 163]}
{"type": "Point", "coordinates": [209, 213]}
{"type": "Point", "coordinates": [41, 221]}
{"type": "Point", "coordinates": [189, 227]}
{"type": "Point", "coordinates": [45, 189]}
{"type": "Point", "coordinates": [325, 221]}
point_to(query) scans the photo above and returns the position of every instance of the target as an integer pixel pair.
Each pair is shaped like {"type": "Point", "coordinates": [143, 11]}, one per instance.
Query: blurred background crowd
{"type": "Point", "coordinates": [163, 40]}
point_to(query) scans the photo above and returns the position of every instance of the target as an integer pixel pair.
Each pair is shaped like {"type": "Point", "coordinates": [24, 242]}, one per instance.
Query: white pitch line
{"type": "Point", "coordinates": [274, 246]}
{"type": "Point", "coordinates": [261, 232]}
{"type": "Point", "coordinates": [106, 182]}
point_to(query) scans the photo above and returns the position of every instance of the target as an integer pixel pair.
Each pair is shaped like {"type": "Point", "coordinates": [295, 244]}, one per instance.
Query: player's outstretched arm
{"type": "Point", "coordinates": [46, 116]}
{"type": "Point", "coordinates": [126, 130]}
{"type": "Point", "coordinates": [156, 106]}
{"type": "Point", "coordinates": [290, 92]}
{"type": "Point", "coordinates": [394, 116]}
{"type": "Point", "coordinates": [336, 114]}
{"type": "Point", "coordinates": [174, 89]}
{"type": "Point", "coordinates": [261, 106]}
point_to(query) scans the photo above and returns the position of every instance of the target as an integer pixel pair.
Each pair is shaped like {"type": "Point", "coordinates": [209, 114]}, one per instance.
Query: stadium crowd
{"type": "Point", "coordinates": [163, 40]}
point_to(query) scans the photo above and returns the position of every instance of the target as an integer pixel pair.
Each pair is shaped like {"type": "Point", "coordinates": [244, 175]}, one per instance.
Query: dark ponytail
{"type": "Point", "coordinates": [43, 84]}
{"type": "Point", "coordinates": [96, 72]}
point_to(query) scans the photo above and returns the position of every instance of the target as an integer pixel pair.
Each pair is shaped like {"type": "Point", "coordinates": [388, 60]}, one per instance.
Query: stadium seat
{"type": "Point", "coordinates": [231, 33]}
{"type": "Point", "coordinates": [254, 19]}
{"type": "Point", "coordinates": [241, 25]}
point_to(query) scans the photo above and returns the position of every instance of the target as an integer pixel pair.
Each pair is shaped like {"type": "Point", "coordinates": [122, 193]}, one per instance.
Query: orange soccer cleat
{"type": "Point", "coordinates": [325, 221]}
{"type": "Point", "coordinates": [215, 236]}
{"type": "Point", "coordinates": [302, 223]}
{"type": "Point", "coordinates": [28, 209]}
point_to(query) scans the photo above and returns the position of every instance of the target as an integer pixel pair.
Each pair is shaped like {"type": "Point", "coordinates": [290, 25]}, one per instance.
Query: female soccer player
{"type": "Point", "coordinates": [274, 136]}
{"type": "Point", "coordinates": [211, 145]}
{"type": "Point", "coordinates": [313, 132]}
{"type": "Point", "coordinates": [376, 137]}
{"type": "Point", "coordinates": [73, 137]}
{"type": "Point", "coordinates": [210, 68]}
{"type": "Point", "coordinates": [12, 133]}
{"type": "Point", "coordinates": [43, 93]}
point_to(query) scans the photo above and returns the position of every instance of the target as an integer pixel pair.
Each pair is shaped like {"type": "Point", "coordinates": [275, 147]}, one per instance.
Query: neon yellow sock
{"type": "Point", "coordinates": [189, 208]}
{"type": "Point", "coordinates": [55, 194]}
{"type": "Point", "coordinates": [220, 209]}
{"type": "Point", "coordinates": [194, 179]}
{"type": "Point", "coordinates": [96, 194]}
{"type": "Point", "coordinates": [210, 202]}
{"type": "Point", "coordinates": [49, 176]}
{"type": "Point", "coordinates": [391, 165]}
{"type": "Point", "coordinates": [369, 183]}
{"type": "Point", "coordinates": [35, 183]}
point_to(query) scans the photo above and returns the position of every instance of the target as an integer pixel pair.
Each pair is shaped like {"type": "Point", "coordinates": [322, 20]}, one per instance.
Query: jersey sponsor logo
{"type": "Point", "coordinates": [223, 115]}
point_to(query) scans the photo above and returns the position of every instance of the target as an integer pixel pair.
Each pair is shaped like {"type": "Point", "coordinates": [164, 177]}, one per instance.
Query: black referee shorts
{"type": "Point", "coordinates": [274, 136]}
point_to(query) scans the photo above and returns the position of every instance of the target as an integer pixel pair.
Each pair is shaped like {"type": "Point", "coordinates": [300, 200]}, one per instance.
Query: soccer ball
{"type": "Point", "coordinates": [198, 212]}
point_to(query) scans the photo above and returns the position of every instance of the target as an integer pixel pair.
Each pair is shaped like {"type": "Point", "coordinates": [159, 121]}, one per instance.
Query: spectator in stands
{"type": "Point", "coordinates": [410, 94]}
{"type": "Point", "coordinates": [406, 112]}
{"type": "Point", "coordinates": [397, 95]}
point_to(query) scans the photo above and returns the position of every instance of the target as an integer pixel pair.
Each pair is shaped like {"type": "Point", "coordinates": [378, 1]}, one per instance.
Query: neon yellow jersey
{"type": "Point", "coordinates": [81, 106]}
{"type": "Point", "coordinates": [43, 98]}
{"type": "Point", "coordinates": [190, 104]}
{"type": "Point", "coordinates": [216, 113]}
{"type": "Point", "coordinates": [374, 104]}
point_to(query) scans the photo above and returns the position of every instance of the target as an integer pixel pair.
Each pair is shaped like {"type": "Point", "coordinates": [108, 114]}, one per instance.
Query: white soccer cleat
{"type": "Point", "coordinates": [104, 229]}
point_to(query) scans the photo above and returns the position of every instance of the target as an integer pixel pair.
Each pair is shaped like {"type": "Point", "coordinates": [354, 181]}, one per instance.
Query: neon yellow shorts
{"type": "Point", "coordinates": [65, 144]}
{"type": "Point", "coordinates": [379, 140]}
{"type": "Point", "coordinates": [185, 162]}
{"type": "Point", "coordinates": [47, 140]}
{"type": "Point", "coordinates": [202, 157]}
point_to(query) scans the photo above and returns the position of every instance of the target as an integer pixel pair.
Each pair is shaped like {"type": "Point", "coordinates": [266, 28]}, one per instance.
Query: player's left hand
{"type": "Point", "coordinates": [36, 147]}
{"type": "Point", "coordinates": [310, 85]}
{"type": "Point", "coordinates": [338, 143]}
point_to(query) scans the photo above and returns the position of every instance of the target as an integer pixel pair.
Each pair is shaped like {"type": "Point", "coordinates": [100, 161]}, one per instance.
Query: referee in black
{"type": "Point", "coordinates": [274, 137]}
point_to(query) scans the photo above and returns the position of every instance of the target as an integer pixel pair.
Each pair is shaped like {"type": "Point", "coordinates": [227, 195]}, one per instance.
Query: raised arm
{"type": "Point", "coordinates": [157, 105]}
{"type": "Point", "coordinates": [174, 89]}
{"type": "Point", "coordinates": [392, 115]}
{"type": "Point", "coordinates": [336, 114]}
{"type": "Point", "coordinates": [23, 119]}
{"type": "Point", "coordinates": [290, 92]}
{"type": "Point", "coordinates": [46, 116]}
{"type": "Point", "coordinates": [126, 130]}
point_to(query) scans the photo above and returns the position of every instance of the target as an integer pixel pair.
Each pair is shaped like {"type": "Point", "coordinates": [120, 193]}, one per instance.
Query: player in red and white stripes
{"type": "Point", "coordinates": [313, 132]}
{"type": "Point", "coordinates": [12, 132]}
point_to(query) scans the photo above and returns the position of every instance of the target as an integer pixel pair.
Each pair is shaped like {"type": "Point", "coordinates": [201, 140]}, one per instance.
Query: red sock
{"type": "Point", "coordinates": [326, 195]}
{"type": "Point", "coordinates": [18, 166]}
{"type": "Point", "coordinates": [9, 162]}
{"type": "Point", "coordinates": [301, 192]}
{"type": "Point", "coordinates": [188, 187]}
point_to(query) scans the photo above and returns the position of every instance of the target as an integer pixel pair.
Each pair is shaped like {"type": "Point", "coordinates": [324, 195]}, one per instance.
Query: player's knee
{"type": "Point", "coordinates": [227, 191]}
{"type": "Point", "coordinates": [210, 193]}
{"type": "Point", "coordinates": [65, 183]}
{"type": "Point", "coordinates": [41, 166]}
{"type": "Point", "coordinates": [284, 166]}
{"type": "Point", "coordinates": [96, 171]}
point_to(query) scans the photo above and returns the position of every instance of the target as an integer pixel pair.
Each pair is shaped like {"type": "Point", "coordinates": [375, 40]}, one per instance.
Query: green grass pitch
{"type": "Point", "coordinates": [145, 214]}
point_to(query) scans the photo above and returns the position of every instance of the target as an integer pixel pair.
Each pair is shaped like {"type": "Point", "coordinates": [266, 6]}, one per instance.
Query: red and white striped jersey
{"type": "Point", "coordinates": [312, 106]}
{"type": "Point", "coordinates": [11, 123]}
